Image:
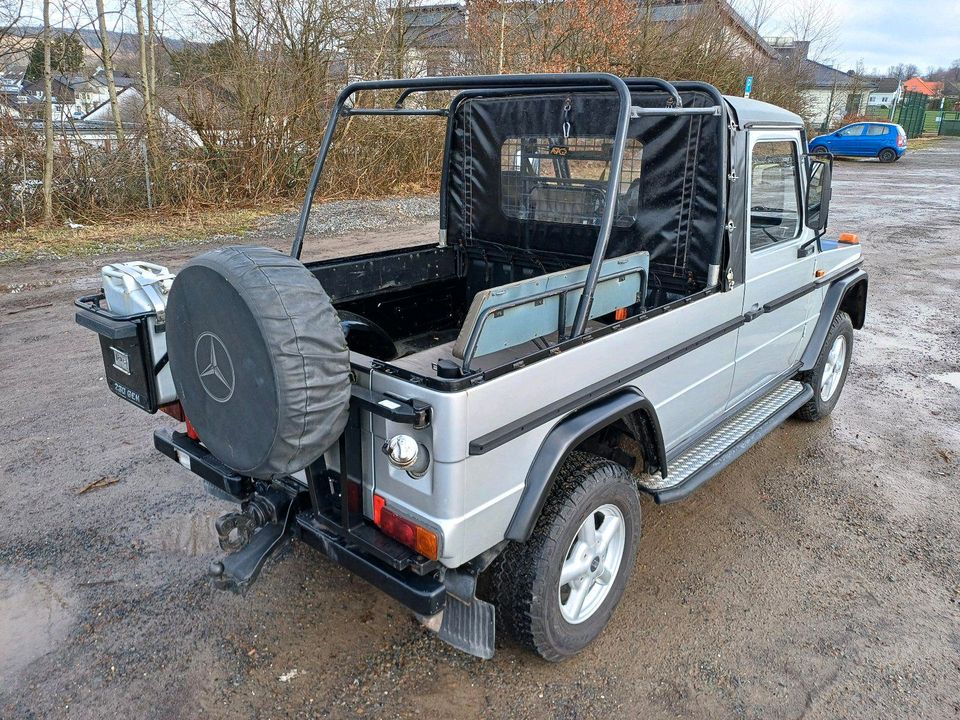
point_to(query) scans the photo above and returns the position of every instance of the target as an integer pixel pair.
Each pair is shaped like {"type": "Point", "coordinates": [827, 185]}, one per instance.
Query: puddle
{"type": "Point", "coordinates": [187, 534]}
{"type": "Point", "coordinates": [35, 617]}
{"type": "Point", "coordinates": [950, 378]}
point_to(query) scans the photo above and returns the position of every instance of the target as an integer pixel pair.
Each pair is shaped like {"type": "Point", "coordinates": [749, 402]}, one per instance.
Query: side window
{"type": "Point", "coordinates": [877, 130]}
{"type": "Point", "coordinates": [774, 193]}
{"type": "Point", "coordinates": [852, 131]}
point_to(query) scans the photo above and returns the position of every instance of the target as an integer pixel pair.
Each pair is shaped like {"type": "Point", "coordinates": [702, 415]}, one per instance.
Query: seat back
{"type": "Point", "coordinates": [512, 314]}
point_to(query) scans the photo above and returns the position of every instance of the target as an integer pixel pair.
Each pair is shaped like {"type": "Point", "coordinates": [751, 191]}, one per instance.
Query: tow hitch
{"type": "Point", "coordinates": [252, 535]}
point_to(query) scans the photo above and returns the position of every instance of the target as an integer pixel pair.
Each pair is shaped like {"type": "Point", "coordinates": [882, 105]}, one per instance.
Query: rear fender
{"type": "Point", "coordinates": [567, 436]}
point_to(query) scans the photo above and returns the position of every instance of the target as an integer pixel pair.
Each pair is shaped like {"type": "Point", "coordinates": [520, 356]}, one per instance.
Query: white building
{"type": "Point", "coordinates": [886, 94]}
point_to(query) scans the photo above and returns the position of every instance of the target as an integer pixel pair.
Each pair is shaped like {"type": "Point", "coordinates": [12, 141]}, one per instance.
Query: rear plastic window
{"type": "Point", "coordinates": [559, 180]}
{"type": "Point", "coordinates": [877, 130]}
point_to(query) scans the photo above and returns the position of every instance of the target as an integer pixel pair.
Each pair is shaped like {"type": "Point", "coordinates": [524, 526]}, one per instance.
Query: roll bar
{"type": "Point", "coordinates": [512, 84]}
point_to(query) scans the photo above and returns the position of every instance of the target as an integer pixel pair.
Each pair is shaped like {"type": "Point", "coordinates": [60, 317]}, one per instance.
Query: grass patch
{"type": "Point", "coordinates": [136, 232]}
{"type": "Point", "coordinates": [923, 143]}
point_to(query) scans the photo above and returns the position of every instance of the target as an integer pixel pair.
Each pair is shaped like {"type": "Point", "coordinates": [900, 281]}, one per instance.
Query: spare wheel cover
{"type": "Point", "coordinates": [258, 358]}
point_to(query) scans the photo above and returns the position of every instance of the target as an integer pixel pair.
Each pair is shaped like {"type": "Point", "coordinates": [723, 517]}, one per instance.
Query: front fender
{"type": "Point", "coordinates": [563, 439]}
{"type": "Point", "coordinates": [848, 293]}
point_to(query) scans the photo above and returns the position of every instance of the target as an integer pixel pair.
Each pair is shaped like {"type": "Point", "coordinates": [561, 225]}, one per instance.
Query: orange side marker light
{"type": "Point", "coordinates": [620, 314]}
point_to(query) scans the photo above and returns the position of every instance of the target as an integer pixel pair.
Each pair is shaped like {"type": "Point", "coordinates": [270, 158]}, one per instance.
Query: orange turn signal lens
{"type": "Point", "coordinates": [850, 238]}
{"type": "Point", "coordinates": [427, 544]}
{"type": "Point", "coordinates": [820, 273]}
{"type": "Point", "coordinates": [620, 314]}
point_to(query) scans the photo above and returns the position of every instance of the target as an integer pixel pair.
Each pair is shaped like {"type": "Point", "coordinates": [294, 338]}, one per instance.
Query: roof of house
{"type": "Point", "coordinates": [887, 85]}
{"type": "Point", "coordinates": [824, 76]}
{"type": "Point", "coordinates": [119, 79]}
{"type": "Point", "coordinates": [925, 87]}
{"type": "Point", "coordinates": [680, 11]}
{"type": "Point", "coordinates": [434, 24]}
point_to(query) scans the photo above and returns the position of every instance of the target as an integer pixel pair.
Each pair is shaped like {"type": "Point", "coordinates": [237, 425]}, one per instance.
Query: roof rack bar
{"type": "Point", "coordinates": [346, 112]}
{"type": "Point", "coordinates": [633, 82]}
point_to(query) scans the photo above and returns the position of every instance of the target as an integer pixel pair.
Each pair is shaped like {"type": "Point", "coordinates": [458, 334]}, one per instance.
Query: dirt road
{"type": "Point", "coordinates": [816, 577]}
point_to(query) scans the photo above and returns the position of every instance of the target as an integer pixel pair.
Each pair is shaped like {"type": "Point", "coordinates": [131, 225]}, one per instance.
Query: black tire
{"type": "Point", "coordinates": [526, 576]}
{"type": "Point", "coordinates": [818, 406]}
{"type": "Point", "coordinates": [887, 155]}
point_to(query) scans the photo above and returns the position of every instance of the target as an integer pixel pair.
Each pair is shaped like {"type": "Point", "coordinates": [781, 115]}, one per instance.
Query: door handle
{"type": "Point", "coordinates": [753, 313]}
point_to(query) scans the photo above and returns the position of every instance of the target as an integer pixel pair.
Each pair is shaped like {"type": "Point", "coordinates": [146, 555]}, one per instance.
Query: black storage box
{"type": "Point", "coordinates": [128, 363]}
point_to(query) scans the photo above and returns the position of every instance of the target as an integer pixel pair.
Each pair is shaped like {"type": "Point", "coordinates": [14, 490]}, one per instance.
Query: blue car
{"type": "Point", "coordinates": [885, 141]}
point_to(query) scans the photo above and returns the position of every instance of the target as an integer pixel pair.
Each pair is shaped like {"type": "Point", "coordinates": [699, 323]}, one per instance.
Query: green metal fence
{"type": "Point", "coordinates": [913, 113]}
{"type": "Point", "coordinates": [949, 125]}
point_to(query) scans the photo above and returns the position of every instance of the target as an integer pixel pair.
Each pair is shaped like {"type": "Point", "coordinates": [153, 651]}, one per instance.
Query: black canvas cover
{"type": "Point", "coordinates": [527, 173]}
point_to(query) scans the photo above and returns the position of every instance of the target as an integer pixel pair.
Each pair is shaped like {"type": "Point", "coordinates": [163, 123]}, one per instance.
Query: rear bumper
{"type": "Point", "coordinates": [360, 548]}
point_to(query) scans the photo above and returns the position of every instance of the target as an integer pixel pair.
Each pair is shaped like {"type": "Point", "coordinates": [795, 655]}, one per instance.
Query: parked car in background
{"type": "Point", "coordinates": [885, 141]}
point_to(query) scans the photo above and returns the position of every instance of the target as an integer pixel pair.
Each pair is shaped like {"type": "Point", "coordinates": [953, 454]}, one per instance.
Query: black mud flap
{"type": "Point", "coordinates": [470, 627]}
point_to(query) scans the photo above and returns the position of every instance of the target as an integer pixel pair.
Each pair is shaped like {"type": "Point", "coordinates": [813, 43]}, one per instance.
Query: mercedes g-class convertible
{"type": "Point", "coordinates": [631, 286]}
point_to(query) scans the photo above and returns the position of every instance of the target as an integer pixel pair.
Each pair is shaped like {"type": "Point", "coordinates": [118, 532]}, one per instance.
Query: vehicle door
{"type": "Point", "coordinates": [780, 263]}
{"type": "Point", "coordinates": [877, 137]}
{"type": "Point", "coordinates": [851, 140]}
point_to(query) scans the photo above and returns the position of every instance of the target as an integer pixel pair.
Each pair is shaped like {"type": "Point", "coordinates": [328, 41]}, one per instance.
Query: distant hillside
{"type": "Point", "coordinates": [124, 45]}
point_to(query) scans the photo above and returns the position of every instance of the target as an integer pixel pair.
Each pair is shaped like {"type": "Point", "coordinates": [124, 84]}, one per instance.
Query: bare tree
{"type": "Point", "coordinates": [108, 69]}
{"type": "Point", "coordinates": [145, 81]}
{"type": "Point", "coordinates": [758, 13]}
{"type": "Point", "coordinates": [152, 52]}
{"type": "Point", "coordinates": [814, 21]}
{"type": "Point", "coordinates": [11, 12]}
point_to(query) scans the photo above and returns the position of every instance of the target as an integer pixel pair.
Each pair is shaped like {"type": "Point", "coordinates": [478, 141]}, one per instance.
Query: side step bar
{"type": "Point", "coordinates": [726, 443]}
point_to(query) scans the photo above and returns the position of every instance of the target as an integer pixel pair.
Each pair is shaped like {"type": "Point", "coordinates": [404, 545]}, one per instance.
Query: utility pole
{"type": "Point", "coordinates": [47, 120]}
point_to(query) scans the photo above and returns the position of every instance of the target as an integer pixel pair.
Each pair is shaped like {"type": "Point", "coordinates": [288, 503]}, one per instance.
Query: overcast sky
{"type": "Point", "coordinates": [888, 32]}
{"type": "Point", "coordinates": [879, 32]}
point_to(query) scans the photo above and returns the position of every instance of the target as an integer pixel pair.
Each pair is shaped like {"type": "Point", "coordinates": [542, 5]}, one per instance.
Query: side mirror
{"type": "Point", "coordinates": [818, 194]}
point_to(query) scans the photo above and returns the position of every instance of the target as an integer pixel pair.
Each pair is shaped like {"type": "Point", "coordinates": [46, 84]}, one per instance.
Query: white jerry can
{"type": "Point", "coordinates": [141, 288]}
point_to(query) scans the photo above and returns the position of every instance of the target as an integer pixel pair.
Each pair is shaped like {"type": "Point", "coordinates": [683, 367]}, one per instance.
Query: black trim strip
{"type": "Point", "coordinates": [790, 297]}
{"type": "Point", "coordinates": [518, 427]}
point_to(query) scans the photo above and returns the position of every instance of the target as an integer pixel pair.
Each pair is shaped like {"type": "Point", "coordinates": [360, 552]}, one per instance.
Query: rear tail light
{"type": "Point", "coordinates": [175, 410]}
{"type": "Point", "coordinates": [901, 141]}
{"type": "Point", "coordinates": [404, 531]}
{"type": "Point", "coordinates": [354, 497]}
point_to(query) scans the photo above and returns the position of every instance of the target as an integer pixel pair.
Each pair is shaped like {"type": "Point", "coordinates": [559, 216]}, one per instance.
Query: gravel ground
{"type": "Point", "coordinates": [816, 577]}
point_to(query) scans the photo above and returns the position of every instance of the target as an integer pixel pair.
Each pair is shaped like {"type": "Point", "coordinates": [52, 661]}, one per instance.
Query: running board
{"type": "Point", "coordinates": [726, 443]}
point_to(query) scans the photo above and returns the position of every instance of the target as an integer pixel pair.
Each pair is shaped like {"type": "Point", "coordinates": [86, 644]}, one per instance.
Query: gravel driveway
{"type": "Point", "coordinates": [816, 577]}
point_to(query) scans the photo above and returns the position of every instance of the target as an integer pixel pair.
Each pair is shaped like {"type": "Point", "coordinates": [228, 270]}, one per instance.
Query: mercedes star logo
{"type": "Point", "coordinates": [214, 367]}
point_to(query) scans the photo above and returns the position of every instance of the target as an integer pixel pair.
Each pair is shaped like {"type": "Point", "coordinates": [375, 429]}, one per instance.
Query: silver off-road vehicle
{"type": "Point", "coordinates": [631, 286]}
